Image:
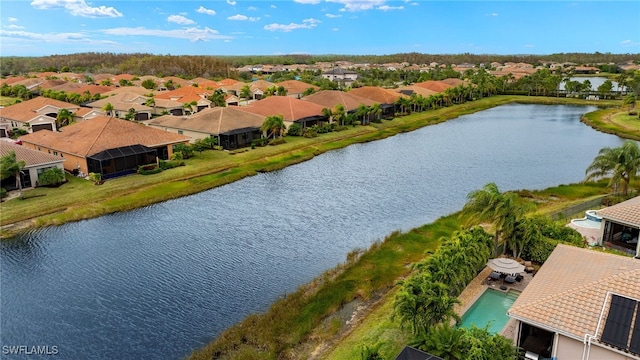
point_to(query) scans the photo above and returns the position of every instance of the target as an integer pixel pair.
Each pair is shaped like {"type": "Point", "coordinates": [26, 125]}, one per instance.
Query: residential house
{"type": "Point", "coordinates": [188, 95]}
{"type": "Point", "coordinates": [232, 127]}
{"type": "Point", "coordinates": [621, 226]}
{"type": "Point", "coordinates": [385, 97]}
{"type": "Point", "coordinates": [36, 162]}
{"type": "Point", "coordinates": [331, 98]}
{"type": "Point", "coordinates": [581, 305]}
{"type": "Point", "coordinates": [33, 115]}
{"type": "Point", "coordinates": [256, 89]}
{"type": "Point", "coordinates": [341, 76]}
{"type": "Point", "coordinates": [434, 85]}
{"type": "Point", "coordinates": [124, 103]}
{"type": "Point", "coordinates": [296, 88]}
{"type": "Point", "coordinates": [105, 145]}
{"type": "Point", "coordinates": [292, 110]}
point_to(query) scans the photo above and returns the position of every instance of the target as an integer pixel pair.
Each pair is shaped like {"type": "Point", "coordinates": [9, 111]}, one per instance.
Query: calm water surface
{"type": "Point", "coordinates": [157, 282]}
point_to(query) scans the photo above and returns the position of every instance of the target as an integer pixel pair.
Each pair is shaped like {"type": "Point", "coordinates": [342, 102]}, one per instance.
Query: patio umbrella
{"type": "Point", "coordinates": [505, 266]}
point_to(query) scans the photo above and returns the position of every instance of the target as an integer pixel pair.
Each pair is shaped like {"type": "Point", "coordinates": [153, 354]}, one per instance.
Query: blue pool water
{"type": "Point", "coordinates": [490, 309]}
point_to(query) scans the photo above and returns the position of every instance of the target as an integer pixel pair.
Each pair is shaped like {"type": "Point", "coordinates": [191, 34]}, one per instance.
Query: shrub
{"type": "Point", "coordinates": [164, 165]}
{"type": "Point", "coordinates": [310, 132]}
{"type": "Point", "coordinates": [96, 178]}
{"type": "Point", "coordinates": [149, 169]}
{"type": "Point", "coordinates": [277, 141]}
{"type": "Point", "coordinates": [186, 150]}
{"type": "Point", "coordinates": [295, 130]}
{"type": "Point", "coordinates": [3, 193]}
{"type": "Point", "coordinates": [259, 142]}
{"type": "Point", "coordinates": [51, 177]}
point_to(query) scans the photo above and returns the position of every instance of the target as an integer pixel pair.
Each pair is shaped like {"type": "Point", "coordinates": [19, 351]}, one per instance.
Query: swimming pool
{"type": "Point", "coordinates": [490, 308]}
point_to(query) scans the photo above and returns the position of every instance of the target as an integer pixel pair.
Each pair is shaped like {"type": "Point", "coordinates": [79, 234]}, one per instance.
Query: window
{"type": "Point", "coordinates": [55, 153]}
{"type": "Point", "coordinates": [180, 132]}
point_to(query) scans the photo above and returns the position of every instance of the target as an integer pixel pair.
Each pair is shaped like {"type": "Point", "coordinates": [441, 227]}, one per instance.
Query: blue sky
{"type": "Point", "coordinates": [359, 27]}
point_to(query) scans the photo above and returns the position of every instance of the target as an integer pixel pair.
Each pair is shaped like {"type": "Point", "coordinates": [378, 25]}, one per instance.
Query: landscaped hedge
{"type": "Point", "coordinates": [164, 165]}
{"type": "Point", "coordinates": [149, 169]}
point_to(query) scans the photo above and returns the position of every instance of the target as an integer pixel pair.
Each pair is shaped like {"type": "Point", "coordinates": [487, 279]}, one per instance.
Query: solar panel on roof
{"type": "Point", "coordinates": [635, 335]}
{"type": "Point", "coordinates": [618, 325]}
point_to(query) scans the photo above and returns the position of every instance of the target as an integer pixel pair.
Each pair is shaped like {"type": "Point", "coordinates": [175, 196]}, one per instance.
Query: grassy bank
{"type": "Point", "coordinates": [311, 323]}
{"type": "Point", "coordinates": [80, 199]}
{"type": "Point", "coordinates": [614, 121]}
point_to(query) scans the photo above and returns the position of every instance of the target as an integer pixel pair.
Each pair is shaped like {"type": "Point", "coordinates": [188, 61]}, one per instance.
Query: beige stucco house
{"type": "Point", "coordinates": [570, 309]}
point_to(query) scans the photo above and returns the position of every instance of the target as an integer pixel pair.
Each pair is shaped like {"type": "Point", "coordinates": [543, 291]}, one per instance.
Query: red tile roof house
{"type": "Point", "coordinates": [331, 98]}
{"type": "Point", "coordinates": [122, 103]}
{"type": "Point", "coordinates": [385, 97]}
{"type": "Point", "coordinates": [232, 127]}
{"type": "Point", "coordinates": [292, 110]}
{"type": "Point", "coordinates": [36, 162]}
{"type": "Point", "coordinates": [36, 114]}
{"type": "Point", "coordinates": [582, 304]}
{"type": "Point", "coordinates": [106, 145]}
{"type": "Point", "coordinates": [296, 88]}
{"type": "Point", "coordinates": [188, 94]}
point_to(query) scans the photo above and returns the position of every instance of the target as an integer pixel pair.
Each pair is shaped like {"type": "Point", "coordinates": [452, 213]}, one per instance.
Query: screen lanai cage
{"type": "Point", "coordinates": [121, 161]}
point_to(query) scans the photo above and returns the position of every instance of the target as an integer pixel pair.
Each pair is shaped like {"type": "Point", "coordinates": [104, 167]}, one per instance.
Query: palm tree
{"type": "Point", "coordinates": [444, 341]}
{"type": "Point", "coordinates": [630, 100]}
{"type": "Point", "coordinates": [622, 163]}
{"type": "Point", "coordinates": [273, 126]}
{"type": "Point", "coordinates": [10, 166]}
{"type": "Point", "coordinates": [376, 110]}
{"type": "Point", "coordinates": [108, 108]}
{"type": "Point", "coordinates": [63, 118]}
{"type": "Point", "coordinates": [339, 114]}
{"type": "Point", "coordinates": [503, 210]}
{"type": "Point", "coordinates": [151, 102]}
{"type": "Point", "coordinates": [363, 111]}
{"type": "Point", "coordinates": [326, 112]}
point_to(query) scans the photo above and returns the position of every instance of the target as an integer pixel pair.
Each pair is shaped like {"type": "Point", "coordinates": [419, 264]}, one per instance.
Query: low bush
{"type": "Point", "coordinates": [52, 177]}
{"type": "Point", "coordinates": [149, 169]}
{"type": "Point", "coordinates": [3, 193]}
{"type": "Point", "coordinates": [277, 141]}
{"type": "Point", "coordinates": [259, 142]}
{"type": "Point", "coordinates": [164, 165]}
{"type": "Point", "coordinates": [294, 130]}
{"type": "Point", "coordinates": [310, 133]}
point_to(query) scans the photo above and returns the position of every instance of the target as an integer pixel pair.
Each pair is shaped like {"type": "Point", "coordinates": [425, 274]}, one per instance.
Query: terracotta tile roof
{"type": "Point", "coordinates": [99, 77]}
{"type": "Point", "coordinates": [93, 89]}
{"type": "Point", "coordinates": [101, 133]}
{"type": "Point", "coordinates": [569, 291]}
{"type": "Point", "coordinates": [453, 81]}
{"type": "Point", "coordinates": [215, 121]}
{"type": "Point", "coordinates": [412, 89]}
{"type": "Point", "coordinates": [295, 86]}
{"type": "Point", "coordinates": [27, 110]}
{"type": "Point", "coordinates": [437, 86]}
{"type": "Point", "coordinates": [176, 80]}
{"type": "Point", "coordinates": [11, 80]}
{"type": "Point", "coordinates": [626, 212]}
{"type": "Point", "coordinates": [185, 94]}
{"type": "Point", "coordinates": [29, 83]}
{"type": "Point", "coordinates": [330, 98]}
{"type": "Point", "coordinates": [290, 108]}
{"type": "Point", "coordinates": [377, 94]}
{"type": "Point", "coordinates": [49, 84]}
{"type": "Point", "coordinates": [123, 102]}
{"type": "Point", "coordinates": [29, 156]}
{"type": "Point", "coordinates": [130, 89]}
{"type": "Point", "coordinates": [209, 85]}
{"type": "Point", "coordinates": [227, 82]}
{"type": "Point", "coordinates": [119, 77]}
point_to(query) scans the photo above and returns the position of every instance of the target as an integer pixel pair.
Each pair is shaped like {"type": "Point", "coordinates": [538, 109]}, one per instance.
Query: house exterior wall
{"type": "Point", "coordinates": [71, 162]}
{"type": "Point", "coordinates": [571, 349]}
{"type": "Point", "coordinates": [33, 171]}
{"type": "Point", "coordinates": [194, 135]}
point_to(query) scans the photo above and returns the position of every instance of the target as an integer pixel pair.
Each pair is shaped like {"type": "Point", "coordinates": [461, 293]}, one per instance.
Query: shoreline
{"type": "Point", "coordinates": [245, 164]}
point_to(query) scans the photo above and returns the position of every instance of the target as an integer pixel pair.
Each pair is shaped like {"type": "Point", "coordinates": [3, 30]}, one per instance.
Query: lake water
{"type": "Point", "coordinates": [160, 281]}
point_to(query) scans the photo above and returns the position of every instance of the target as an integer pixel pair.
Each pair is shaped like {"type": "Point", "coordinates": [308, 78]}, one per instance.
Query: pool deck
{"type": "Point", "coordinates": [479, 285]}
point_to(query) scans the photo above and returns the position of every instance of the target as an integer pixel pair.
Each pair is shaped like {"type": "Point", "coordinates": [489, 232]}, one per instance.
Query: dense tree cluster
{"type": "Point", "coordinates": [190, 66]}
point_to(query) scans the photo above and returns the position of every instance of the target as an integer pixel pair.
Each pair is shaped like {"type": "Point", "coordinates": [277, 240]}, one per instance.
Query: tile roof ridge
{"type": "Point", "coordinates": [220, 119]}
{"type": "Point", "coordinates": [288, 99]}
{"type": "Point", "coordinates": [95, 139]}
{"type": "Point", "coordinates": [576, 289]}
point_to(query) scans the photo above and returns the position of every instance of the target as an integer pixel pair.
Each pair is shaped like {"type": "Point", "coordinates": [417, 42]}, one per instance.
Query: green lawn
{"type": "Point", "coordinates": [6, 101]}
{"type": "Point", "coordinates": [80, 199]}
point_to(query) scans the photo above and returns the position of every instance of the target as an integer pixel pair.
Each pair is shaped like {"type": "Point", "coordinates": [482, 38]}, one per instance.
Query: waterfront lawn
{"type": "Point", "coordinates": [209, 169]}
{"type": "Point", "coordinates": [6, 100]}
{"type": "Point", "coordinates": [298, 317]}
{"type": "Point", "coordinates": [614, 121]}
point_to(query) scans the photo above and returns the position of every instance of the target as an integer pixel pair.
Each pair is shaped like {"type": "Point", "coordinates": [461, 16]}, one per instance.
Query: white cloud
{"type": "Point", "coordinates": [77, 8]}
{"type": "Point", "coordinates": [14, 26]}
{"type": "Point", "coordinates": [53, 37]}
{"type": "Point", "coordinates": [12, 19]}
{"type": "Point", "coordinates": [414, 4]}
{"type": "Point", "coordinates": [493, 14]}
{"type": "Point", "coordinates": [311, 2]}
{"type": "Point", "coordinates": [179, 19]}
{"type": "Point", "coordinates": [358, 5]}
{"type": "Point", "coordinates": [273, 6]}
{"type": "Point", "coordinates": [387, 7]}
{"type": "Point", "coordinates": [306, 24]}
{"type": "Point", "coordinates": [241, 17]}
{"type": "Point", "coordinates": [193, 34]}
{"type": "Point", "coordinates": [332, 15]}
{"type": "Point", "coordinates": [203, 10]}
{"type": "Point", "coordinates": [252, 8]}
{"type": "Point", "coordinates": [529, 45]}
{"type": "Point", "coordinates": [335, 29]}
{"type": "Point", "coordinates": [231, 2]}
{"type": "Point", "coordinates": [227, 41]}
